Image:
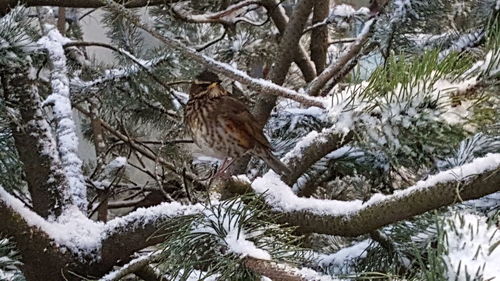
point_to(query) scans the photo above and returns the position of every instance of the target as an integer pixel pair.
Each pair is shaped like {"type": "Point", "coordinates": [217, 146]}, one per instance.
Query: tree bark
{"type": "Point", "coordinates": [35, 145]}
{"type": "Point", "coordinates": [319, 36]}
{"type": "Point", "coordinates": [288, 48]}
{"type": "Point", "coordinates": [397, 209]}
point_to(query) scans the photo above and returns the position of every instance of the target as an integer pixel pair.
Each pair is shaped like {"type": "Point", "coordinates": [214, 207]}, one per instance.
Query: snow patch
{"type": "Point", "coordinates": [282, 198]}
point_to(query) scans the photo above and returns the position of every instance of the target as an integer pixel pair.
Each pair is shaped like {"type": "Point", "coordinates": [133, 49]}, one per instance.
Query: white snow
{"type": "Point", "coordinates": [66, 137]}
{"type": "Point", "coordinates": [237, 244]}
{"type": "Point", "coordinates": [113, 275]}
{"type": "Point", "coordinates": [462, 42]}
{"type": "Point", "coordinates": [82, 236]}
{"type": "Point", "coordinates": [342, 257]}
{"type": "Point", "coordinates": [401, 10]}
{"type": "Point", "coordinates": [471, 248]}
{"type": "Point", "coordinates": [282, 198]}
{"type": "Point", "coordinates": [343, 10]}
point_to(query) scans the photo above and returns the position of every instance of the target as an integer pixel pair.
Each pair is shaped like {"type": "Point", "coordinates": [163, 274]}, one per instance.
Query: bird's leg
{"type": "Point", "coordinates": [225, 165]}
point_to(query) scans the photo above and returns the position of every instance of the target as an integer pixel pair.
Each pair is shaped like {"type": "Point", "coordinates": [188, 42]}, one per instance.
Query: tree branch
{"type": "Point", "coordinates": [65, 128]}
{"type": "Point", "coordinates": [317, 84]}
{"type": "Point", "coordinates": [288, 49]}
{"type": "Point", "coordinates": [354, 218]}
{"type": "Point", "coordinates": [319, 36]}
{"type": "Point", "coordinates": [35, 145]}
{"type": "Point", "coordinates": [302, 158]}
{"type": "Point", "coordinates": [6, 4]}
{"type": "Point", "coordinates": [131, 267]}
{"type": "Point", "coordinates": [225, 17]}
{"type": "Point", "coordinates": [280, 19]}
{"type": "Point", "coordinates": [260, 85]}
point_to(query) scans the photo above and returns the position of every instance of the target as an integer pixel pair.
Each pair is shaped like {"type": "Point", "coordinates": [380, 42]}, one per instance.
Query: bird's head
{"type": "Point", "coordinates": [208, 84]}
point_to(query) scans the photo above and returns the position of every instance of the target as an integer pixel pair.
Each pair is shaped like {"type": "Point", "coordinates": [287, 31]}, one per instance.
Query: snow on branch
{"type": "Point", "coordinates": [311, 148]}
{"type": "Point", "coordinates": [469, 181]}
{"type": "Point", "coordinates": [278, 271]}
{"type": "Point", "coordinates": [260, 85]}
{"type": "Point", "coordinates": [86, 238]}
{"type": "Point", "coordinates": [61, 107]}
{"type": "Point", "coordinates": [131, 267]}
{"type": "Point", "coordinates": [228, 16]}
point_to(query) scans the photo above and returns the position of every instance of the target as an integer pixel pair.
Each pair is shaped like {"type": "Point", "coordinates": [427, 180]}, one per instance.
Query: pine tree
{"type": "Point", "coordinates": [386, 113]}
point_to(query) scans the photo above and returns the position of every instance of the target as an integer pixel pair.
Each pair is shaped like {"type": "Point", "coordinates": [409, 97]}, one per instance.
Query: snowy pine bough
{"type": "Point", "coordinates": [387, 115]}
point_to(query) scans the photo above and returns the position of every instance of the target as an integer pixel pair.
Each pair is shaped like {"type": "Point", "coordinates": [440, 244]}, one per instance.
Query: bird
{"type": "Point", "coordinates": [223, 127]}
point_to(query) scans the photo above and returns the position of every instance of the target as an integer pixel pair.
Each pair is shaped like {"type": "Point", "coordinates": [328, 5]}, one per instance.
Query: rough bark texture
{"type": "Point", "coordinates": [42, 260]}
{"type": "Point", "coordinates": [272, 270]}
{"type": "Point", "coordinates": [288, 50]}
{"type": "Point", "coordinates": [280, 19]}
{"type": "Point", "coordinates": [390, 211]}
{"type": "Point", "coordinates": [319, 36]}
{"type": "Point", "coordinates": [327, 142]}
{"type": "Point", "coordinates": [33, 140]}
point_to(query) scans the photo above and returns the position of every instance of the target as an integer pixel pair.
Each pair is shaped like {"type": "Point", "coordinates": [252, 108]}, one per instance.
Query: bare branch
{"type": "Point", "coordinates": [319, 36]}
{"type": "Point", "coordinates": [288, 47]}
{"type": "Point", "coordinates": [142, 150]}
{"type": "Point", "coordinates": [317, 84]}
{"type": "Point", "coordinates": [282, 272]}
{"type": "Point", "coordinates": [280, 19]}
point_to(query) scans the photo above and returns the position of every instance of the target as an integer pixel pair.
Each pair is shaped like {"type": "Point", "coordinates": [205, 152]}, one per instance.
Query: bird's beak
{"type": "Point", "coordinates": [213, 85]}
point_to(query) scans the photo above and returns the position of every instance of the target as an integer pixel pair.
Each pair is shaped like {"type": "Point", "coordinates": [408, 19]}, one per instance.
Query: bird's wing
{"type": "Point", "coordinates": [240, 123]}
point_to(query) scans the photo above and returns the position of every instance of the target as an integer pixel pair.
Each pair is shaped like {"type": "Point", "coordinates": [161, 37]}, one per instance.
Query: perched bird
{"type": "Point", "coordinates": [222, 126]}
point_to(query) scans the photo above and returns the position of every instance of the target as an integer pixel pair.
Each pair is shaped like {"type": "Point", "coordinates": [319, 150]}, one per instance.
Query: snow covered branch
{"type": "Point", "coordinates": [260, 85]}
{"type": "Point", "coordinates": [35, 145]}
{"type": "Point", "coordinates": [470, 181]}
{"type": "Point", "coordinates": [79, 243]}
{"type": "Point", "coordinates": [131, 267]}
{"type": "Point", "coordinates": [311, 149]}
{"type": "Point", "coordinates": [227, 16]}
{"type": "Point", "coordinates": [67, 141]}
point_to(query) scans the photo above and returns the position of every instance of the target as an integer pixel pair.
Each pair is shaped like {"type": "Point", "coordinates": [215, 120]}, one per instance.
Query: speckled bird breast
{"type": "Point", "coordinates": [206, 127]}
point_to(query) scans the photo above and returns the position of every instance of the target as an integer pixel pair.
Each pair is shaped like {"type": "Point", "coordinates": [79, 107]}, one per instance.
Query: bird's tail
{"type": "Point", "coordinates": [273, 162]}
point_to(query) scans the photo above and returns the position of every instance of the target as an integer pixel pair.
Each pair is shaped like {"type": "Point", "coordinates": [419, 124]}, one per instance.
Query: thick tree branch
{"type": "Point", "coordinates": [302, 158]}
{"type": "Point", "coordinates": [280, 19]}
{"type": "Point", "coordinates": [31, 241]}
{"type": "Point", "coordinates": [355, 217]}
{"type": "Point", "coordinates": [65, 128]}
{"type": "Point", "coordinates": [319, 36]}
{"type": "Point", "coordinates": [288, 49]}
{"type": "Point", "coordinates": [35, 145]}
{"type": "Point", "coordinates": [114, 241]}
{"type": "Point", "coordinates": [282, 272]}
